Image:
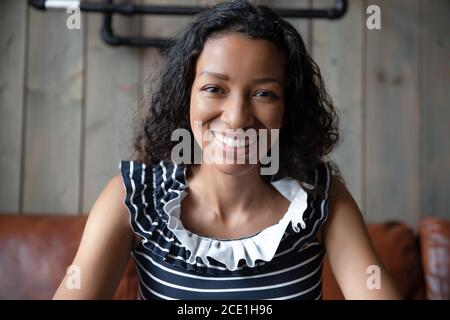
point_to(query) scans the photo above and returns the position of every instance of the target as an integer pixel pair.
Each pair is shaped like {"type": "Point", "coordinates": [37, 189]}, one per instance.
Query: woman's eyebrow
{"type": "Point", "coordinates": [267, 79]}
{"type": "Point", "coordinates": [225, 77]}
{"type": "Point", "coordinates": [215, 74]}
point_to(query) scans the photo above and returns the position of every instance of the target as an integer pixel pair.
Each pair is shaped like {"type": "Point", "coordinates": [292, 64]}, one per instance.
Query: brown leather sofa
{"type": "Point", "coordinates": [35, 251]}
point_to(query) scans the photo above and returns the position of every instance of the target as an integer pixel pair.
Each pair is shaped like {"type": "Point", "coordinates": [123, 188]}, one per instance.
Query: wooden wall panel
{"type": "Point", "coordinates": [337, 47]}
{"type": "Point", "coordinates": [393, 114]}
{"type": "Point", "coordinates": [111, 80]}
{"type": "Point", "coordinates": [13, 27]}
{"type": "Point", "coordinates": [435, 103]}
{"type": "Point", "coordinates": [53, 114]}
{"type": "Point", "coordinates": [161, 27]}
{"type": "Point", "coordinates": [302, 25]}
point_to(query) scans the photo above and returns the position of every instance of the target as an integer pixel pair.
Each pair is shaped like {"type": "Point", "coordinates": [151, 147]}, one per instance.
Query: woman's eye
{"type": "Point", "coordinates": [212, 89]}
{"type": "Point", "coordinates": [266, 94]}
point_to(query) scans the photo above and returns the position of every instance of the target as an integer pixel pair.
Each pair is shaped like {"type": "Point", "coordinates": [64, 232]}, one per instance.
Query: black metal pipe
{"type": "Point", "coordinates": [108, 8]}
{"type": "Point", "coordinates": [127, 8]}
{"type": "Point", "coordinates": [109, 37]}
{"type": "Point", "coordinates": [133, 9]}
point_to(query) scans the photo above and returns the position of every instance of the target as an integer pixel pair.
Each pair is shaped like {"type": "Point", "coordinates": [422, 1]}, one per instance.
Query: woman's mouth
{"type": "Point", "coordinates": [238, 143]}
{"type": "Point", "coordinates": [232, 142]}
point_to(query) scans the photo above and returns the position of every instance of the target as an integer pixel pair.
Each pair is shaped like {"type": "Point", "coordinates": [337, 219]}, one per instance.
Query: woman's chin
{"type": "Point", "coordinates": [234, 169]}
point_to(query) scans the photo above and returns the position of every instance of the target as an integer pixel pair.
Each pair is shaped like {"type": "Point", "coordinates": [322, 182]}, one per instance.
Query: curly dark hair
{"type": "Point", "coordinates": [310, 128]}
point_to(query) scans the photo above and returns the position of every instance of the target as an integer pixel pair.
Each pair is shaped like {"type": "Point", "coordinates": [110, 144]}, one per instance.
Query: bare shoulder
{"type": "Point", "coordinates": [339, 193]}
{"type": "Point", "coordinates": [342, 207]}
{"type": "Point", "coordinates": [109, 208]}
{"type": "Point", "coordinates": [105, 246]}
{"type": "Point", "coordinates": [111, 199]}
{"type": "Point", "coordinates": [114, 188]}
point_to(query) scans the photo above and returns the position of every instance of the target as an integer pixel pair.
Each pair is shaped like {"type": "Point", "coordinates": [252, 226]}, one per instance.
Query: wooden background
{"type": "Point", "coordinates": [67, 103]}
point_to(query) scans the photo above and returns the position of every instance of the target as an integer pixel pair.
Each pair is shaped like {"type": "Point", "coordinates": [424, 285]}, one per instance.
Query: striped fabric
{"type": "Point", "coordinates": [162, 261]}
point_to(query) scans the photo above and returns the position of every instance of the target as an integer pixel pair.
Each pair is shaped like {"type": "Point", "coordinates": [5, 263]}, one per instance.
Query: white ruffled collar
{"type": "Point", "coordinates": [261, 246]}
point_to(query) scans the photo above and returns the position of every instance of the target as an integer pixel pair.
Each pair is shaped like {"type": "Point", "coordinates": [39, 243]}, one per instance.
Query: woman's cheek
{"type": "Point", "coordinates": [271, 117]}
{"type": "Point", "coordinates": [203, 109]}
{"type": "Point", "coordinates": [201, 113]}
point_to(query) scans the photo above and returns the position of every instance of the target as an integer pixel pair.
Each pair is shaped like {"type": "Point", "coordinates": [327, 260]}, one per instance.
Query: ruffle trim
{"type": "Point", "coordinates": [261, 246]}
{"type": "Point", "coordinates": [160, 189]}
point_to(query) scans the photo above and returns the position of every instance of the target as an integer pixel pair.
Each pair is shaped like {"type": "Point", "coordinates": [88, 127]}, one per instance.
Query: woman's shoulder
{"type": "Point", "coordinates": [110, 200]}
{"type": "Point", "coordinates": [318, 180]}
{"type": "Point", "coordinates": [111, 205]}
{"type": "Point", "coordinates": [109, 215]}
{"type": "Point", "coordinates": [112, 191]}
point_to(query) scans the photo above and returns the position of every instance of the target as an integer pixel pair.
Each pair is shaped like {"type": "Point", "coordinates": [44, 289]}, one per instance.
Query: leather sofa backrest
{"type": "Point", "coordinates": [35, 251]}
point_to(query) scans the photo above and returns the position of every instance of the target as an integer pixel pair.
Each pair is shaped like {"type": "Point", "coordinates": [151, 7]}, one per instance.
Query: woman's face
{"type": "Point", "coordinates": [239, 84]}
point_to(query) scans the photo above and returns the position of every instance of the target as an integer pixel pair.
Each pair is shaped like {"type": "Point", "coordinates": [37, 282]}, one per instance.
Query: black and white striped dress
{"type": "Point", "coordinates": [283, 261]}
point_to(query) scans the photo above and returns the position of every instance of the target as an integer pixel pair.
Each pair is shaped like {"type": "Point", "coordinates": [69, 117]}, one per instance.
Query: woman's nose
{"type": "Point", "coordinates": [237, 113]}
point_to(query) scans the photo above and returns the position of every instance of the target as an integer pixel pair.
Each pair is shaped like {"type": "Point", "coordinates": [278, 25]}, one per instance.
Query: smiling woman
{"type": "Point", "coordinates": [220, 229]}
{"type": "Point", "coordinates": [244, 93]}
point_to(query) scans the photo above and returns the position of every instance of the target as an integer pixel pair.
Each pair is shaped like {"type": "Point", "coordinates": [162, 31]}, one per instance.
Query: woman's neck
{"type": "Point", "coordinates": [228, 197]}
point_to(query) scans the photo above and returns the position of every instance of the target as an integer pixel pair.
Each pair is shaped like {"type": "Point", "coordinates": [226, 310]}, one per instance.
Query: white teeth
{"type": "Point", "coordinates": [230, 142]}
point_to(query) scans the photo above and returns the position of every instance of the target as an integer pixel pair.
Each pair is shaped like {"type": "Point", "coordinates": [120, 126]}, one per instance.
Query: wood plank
{"type": "Point", "coordinates": [111, 80]}
{"type": "Point", "coordinates": [13, 23]}
{"type": "Point", "coordinates": [393, 114]}
{"type": "Point", "coordinates": [162, 26]}
{"type": "Point", "coordinates": [435, 102]}
{"type": "Point", "coordinates": [337, 47]}
{"type": "Point", "coordinates": [302, 25]}
{"type": "Point", "coordinates": [53, 114]}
